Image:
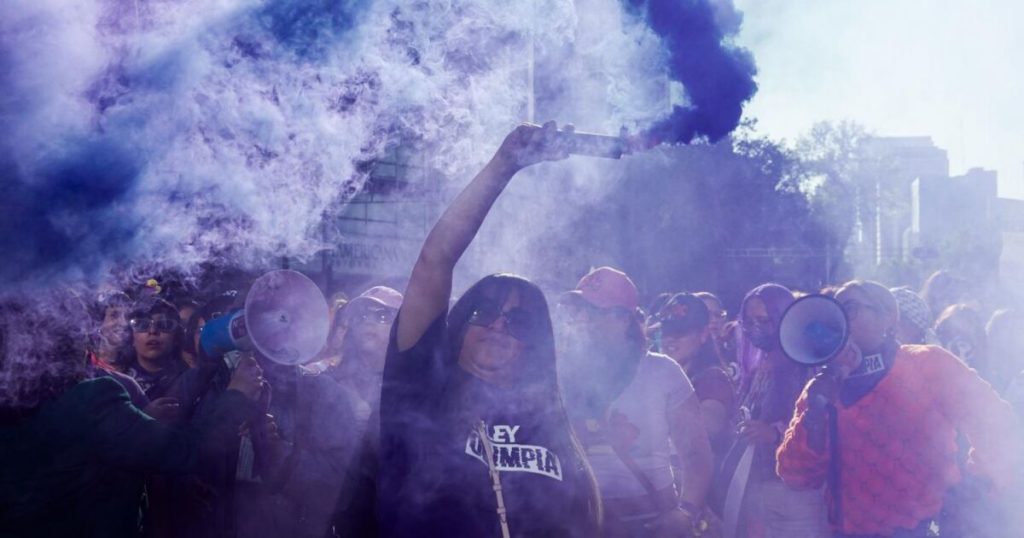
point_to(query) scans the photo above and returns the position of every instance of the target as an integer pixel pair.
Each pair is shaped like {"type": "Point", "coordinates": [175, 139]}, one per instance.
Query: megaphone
{"type": "Point", "coordinates": [813, 330]}
{"type": "Point", "coordinates": [285, 319]}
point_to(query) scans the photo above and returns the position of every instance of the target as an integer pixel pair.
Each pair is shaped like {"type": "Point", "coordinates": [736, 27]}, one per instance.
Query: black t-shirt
{"type": "Point", "coordinates": [433, 476]}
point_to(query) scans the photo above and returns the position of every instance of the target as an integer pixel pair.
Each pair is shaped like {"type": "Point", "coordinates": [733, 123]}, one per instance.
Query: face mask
{"type": "Point", "coordinates": [762, 340]}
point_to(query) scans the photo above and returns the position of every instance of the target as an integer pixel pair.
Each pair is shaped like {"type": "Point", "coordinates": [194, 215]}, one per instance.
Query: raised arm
{"type": "Point", "coordinates": [430, 285]}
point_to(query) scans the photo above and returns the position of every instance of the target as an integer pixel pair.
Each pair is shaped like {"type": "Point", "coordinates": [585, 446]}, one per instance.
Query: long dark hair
{"type": "Point", "coordinates": [539, 384]}
{"type": "Point", "coordinates": [539, 345]}
{"type": "Point", "coordinates": [707, 357]}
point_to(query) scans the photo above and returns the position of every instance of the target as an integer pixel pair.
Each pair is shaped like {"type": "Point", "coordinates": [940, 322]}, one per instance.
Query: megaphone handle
{"type": "Point", "coordinates": [820, 393]}
{"type": "Point", "coordinates": [266, 395]}
{"type": "Point", "coordinates": [834, 484]}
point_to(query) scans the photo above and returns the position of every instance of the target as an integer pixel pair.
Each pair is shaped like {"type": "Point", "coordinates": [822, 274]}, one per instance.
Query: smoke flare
{"type": "Point", "coordinates": [718, 77]}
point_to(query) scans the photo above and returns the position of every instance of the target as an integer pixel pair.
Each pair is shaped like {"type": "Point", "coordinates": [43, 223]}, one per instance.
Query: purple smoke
{"type": "Point", "coordinates": [174, 134]}
{"type": "Point", "coordinates": [718, 77]}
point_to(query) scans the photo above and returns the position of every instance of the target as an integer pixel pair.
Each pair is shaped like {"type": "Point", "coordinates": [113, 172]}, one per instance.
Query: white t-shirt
{"type": "Point", "coordinates": [641, 414]}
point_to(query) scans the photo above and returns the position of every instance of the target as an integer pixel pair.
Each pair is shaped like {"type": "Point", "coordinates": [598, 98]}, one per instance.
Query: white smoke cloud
{"type": "Point", "coordinates": [232, 126]}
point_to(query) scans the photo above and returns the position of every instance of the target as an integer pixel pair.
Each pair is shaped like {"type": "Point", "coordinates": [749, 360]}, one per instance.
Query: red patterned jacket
{"type": "Point", "coordinates": [897, 444]}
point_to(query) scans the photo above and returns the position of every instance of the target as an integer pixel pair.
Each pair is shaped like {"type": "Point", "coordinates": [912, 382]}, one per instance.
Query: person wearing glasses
{"type": "Point", "coordinates": [755, 501]}
{"type": "Point", "coordinates": [684, 334]}
{"type": "Point", "coordinates": [365, 324]}
{"type": "Point", "coordinates": [153, 355]}
{"type": "Point", "coordinates": [361, 330]}
{"type": "Point", "coordinates": [474, 439]}
{"type": "Point", "coordinates": [76, 451]}
{"type": "Point", "coordinates": [899, 409]}
{"type": "Point", "coordinates": [320, 422]}
{"type": "Point", "coordinates": [180, 396]}
{"type": "Point", "coordinates": [633, 409]}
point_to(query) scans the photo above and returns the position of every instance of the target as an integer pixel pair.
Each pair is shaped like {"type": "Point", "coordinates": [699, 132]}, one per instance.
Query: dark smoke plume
{"type": "Point", "coordinates": [717, 75]}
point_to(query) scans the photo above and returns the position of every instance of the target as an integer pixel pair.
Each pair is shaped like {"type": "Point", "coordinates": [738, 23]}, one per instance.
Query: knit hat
{"type": "Point", "coordinates": [912, 308]}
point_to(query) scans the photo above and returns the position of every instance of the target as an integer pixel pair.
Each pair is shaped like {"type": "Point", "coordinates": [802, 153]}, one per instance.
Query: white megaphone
{"type": "Point", "coordinates": [813, 330]}
{"type": "Point", "coordinates": [285, 319]}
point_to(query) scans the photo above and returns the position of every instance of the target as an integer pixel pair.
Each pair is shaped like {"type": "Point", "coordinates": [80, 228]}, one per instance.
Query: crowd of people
{"type": "Point", "coordinates": [512, 411]}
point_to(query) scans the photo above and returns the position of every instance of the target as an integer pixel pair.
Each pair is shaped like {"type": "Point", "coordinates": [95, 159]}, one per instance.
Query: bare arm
{"type": "Point", "coordinates": [715, 416]}
{"type": "Point", "coordinates": [430, 285]}
{"type": "Point", "coordinates": [691, 441]}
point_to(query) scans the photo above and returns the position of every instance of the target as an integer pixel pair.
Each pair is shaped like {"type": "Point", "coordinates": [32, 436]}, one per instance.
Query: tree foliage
{"type": "Point", "coordinates": [722, 217]}
{"type": "Point", "coordinates": [840, 179]}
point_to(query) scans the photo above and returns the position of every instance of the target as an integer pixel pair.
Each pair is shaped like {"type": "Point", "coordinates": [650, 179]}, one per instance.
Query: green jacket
{"type": "Point", "coordinates": [76, 466]}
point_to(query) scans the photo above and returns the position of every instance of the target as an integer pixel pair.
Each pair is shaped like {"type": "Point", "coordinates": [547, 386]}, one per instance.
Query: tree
{"type": "Point", "coordinates": [722, 217]}
{"type": "Point", "coordinates": [839, 182]}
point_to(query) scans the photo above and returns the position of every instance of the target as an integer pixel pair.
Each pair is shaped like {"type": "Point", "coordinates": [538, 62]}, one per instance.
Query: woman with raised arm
{"type": "Point", "coordinates": [474, 439]}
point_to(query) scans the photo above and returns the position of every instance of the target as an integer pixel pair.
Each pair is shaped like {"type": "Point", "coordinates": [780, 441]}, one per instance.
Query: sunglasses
{"type": "Point", "coordinates": [518, 322]}
{"type": "Point", "coordinates": [379, 316]}
{"type": "Point", "coordinates": [142, 325]}
{"type": "Point", "coordinates": [854, 308]}
{"type": "Point", "coordinates": [760, 321]}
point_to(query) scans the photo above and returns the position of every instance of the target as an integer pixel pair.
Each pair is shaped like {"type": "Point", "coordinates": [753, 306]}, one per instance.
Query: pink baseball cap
{"type": "Point", "coordinates": [382, 295]}
{"type": "Point", "coordinates": [606, 287]}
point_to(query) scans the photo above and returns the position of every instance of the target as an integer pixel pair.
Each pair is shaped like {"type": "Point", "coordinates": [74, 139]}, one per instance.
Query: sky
{"type": "Point", "coordinates": [942, 68]}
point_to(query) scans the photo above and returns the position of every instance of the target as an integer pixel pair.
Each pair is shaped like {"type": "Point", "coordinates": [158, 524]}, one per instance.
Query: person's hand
{"type": "Point", "coordinates": [530, 144]}
{"type": "Point", "coordinates": [846, 361]}
{"type": "Point", "coordinates": [270, 449]}
{"type": "Point", "coordinates": [164, 409]}
{"type": "Point", "coordinates": [266, 394]}
{"type": "Point", "coordinates": [758, 432]}
{"type": "Point", "coordinates": [672, 524]}
{"type": "Point", "coordinates": [264, 429]}
{"type": "Point", "coordinates": [247, 378]}
{"type": "Point", "coordinates": [823, 389]}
